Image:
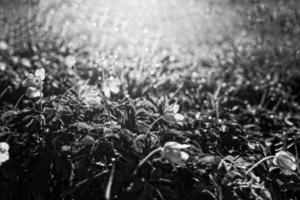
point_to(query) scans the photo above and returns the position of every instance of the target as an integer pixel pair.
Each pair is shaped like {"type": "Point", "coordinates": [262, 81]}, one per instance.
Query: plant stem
{"type": "Point", "coordinates": [3, 92]}
{"type": "Point", "coordinates": [41, 97]}
{"type": "Point", "coordinates": [146, 158]}
{"type": "Point", "coordinates": [150, 127]}
{"type": "Point", "coordinates": [61, 98]}
{"type": "Point", "coordinates": [107, 108]}
{"type": "Point", "coordinates": [258, 163]}
{"type": "Point", "coordinates": [219, 189]}
{"type": "Point", "coordinates": [297, 155]}
{"type": "Point", "coordinates": [14, 109]}
{"type": "Point", "coordinates": [263, 98]}
{"type": "Point", "coordinates": [217, 109]}
{"type": "Point", "coordinates": [153, 123]}
{"type": "Point", "coordinates": [214, 98]}
{"type": "Point", "coordinates": [16, 105]}
{"type": "Point", "coordinates": [110, 182]}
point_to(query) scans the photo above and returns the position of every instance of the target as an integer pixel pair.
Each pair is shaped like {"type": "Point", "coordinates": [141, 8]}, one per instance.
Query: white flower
{"type": "Point", "coordinates": [89, 94]}
{"type": "Point", "coordinates": [172, 151]}
{"type": "Point", "coordinates": [173, 108]}
{"type": "Point", "coordinates": [178, 117]}
{"type": "Point", "coordinates": [32, 81]}
{"type": "Point", "coordinates": [4, 155]}
{"type": "Point", "coordinates": [70, 61]}
{"type": "Point", "coordinates": [171, 114]}
{"type": "Point", "coordinates": [35, 80]}
{"type": "Point", "coordinates": [111, 85]}
{"type": "Point", "coordinates": [33, 92]}
{"type": "Point", "coordinates": [40, 73]}
{"type": "Point", "coordinates": [286, 162]}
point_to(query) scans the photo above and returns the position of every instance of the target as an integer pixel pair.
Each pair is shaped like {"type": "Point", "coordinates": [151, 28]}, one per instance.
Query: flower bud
{"type": "Point", "coordinates": [286, 162]}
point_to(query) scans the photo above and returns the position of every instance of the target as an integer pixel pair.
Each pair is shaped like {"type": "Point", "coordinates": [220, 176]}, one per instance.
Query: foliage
{"type": "Point", "coordinates": [80, 131]}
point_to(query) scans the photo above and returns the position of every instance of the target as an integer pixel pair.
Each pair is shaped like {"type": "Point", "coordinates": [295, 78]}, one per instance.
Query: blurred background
{"type": "Point", "coordinates": [203, 35]}
{"type": "Point", "coordinates": [132, 28]}
{"type": "Point", "coordinates": [190, 30]}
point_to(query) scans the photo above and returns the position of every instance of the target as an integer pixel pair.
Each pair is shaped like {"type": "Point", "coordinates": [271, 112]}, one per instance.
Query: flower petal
{"type": "Point", "coordinates": [40, 73]}
{"type": "Point", "coordinates": [4, 147]}
{"type": "Point", "coordinates": [178, 117]}
{"type": "Point", "coordinates": [3, 158]}
{"type": "Point", "coordinates": [173, 108]}
{"type": "Point", "coordinates": [106, 90]}
{"type": "Point", "coordinates": [176, 145]}
{"type": "Point", "coordinates": [184, 156]}
{"type": "Point", "coordinates": [114, 89]}
{"type": "Point", "coordinates": [32, 92]}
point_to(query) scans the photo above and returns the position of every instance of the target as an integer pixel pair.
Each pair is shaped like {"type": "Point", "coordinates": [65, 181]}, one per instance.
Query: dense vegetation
{"type": "Point", "coordinates": [87, 124]}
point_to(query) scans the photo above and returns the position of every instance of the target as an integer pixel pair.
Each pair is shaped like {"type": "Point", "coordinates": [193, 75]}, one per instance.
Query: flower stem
{"type": "Point", "coordinates": [146, 158]}
{"type": "Point", "coordinates": [258, 163]}
{"type": "Point", "coordinates": [297, 156]}
{"type": "Point", "coordinates": [41, 97]}
{"type": "Point", "coordinates": [151, 125]}
{"type": "Point", "coordinates": [3, 92]}
{"type": "Point", "coordinates": [218, 187]}
{"type": "Point", "coordinates": [19, 100]}
{"type": "Point", "coordinates": [110, 182]}
{"type": "Point", "coordinates": [61, 98]}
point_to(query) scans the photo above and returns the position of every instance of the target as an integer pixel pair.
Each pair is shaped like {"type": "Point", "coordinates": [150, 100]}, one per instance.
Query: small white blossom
{"type": "Point", "coordinates": [172, 151]}
{"type": "Point", "coordinates": [111, 85]}
{"type": "Point", "coordinates": [171, 114]}
{"type": "Point", "coordinates": [286, 162]}
{"type": "Point", "coordinates": [4, 155]}
{"type": "Point", "coordinates": [89, 94]}
{"type": "Point", "coordinates": [32, 92]}
{"type": "Point", "coordinates": [32, 81]}
{"type": "Point", "coordinates": [40, 73]}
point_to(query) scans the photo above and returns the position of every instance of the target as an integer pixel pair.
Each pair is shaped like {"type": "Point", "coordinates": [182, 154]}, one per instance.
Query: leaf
{"type": "Point", "coordinates": [129, 117]}
{"type": "Point", "coordinates": [147, 193]}
{"type": "Point", "coordinates": [40, 175]}
{"type": "Point", "coordinates": [65, 168]}
{"type": "Point", "coordinates": [87, 140]}
{"type": "Point", "coordinates": [80, 126]}
{"type": "Point", "coordinates": [210, 160]}
{"type": "Point", "coordinates": [8, 114]}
